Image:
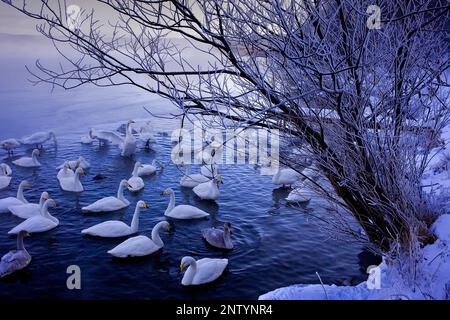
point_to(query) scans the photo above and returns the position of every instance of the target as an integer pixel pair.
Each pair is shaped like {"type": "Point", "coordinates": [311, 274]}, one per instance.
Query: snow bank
{"type": "Point", "coordinates": [432, 279]}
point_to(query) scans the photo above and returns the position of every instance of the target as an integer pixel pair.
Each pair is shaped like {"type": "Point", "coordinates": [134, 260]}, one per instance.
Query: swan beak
{"type": "Point", "coordinates": [46, 197]}
{"type": "Point", "coordinates": [145, 205]}
{"type": "Point", "coordinates": [182, 266]}
{"type": "Point", "coordinates": [81, 171]}
{"type": "Point", "coordinates": [127, 185]}
{"type": "Point", "coordinates": [163, 193]}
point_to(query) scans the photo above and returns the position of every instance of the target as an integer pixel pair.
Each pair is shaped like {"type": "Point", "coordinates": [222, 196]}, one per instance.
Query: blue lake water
{"type": "Point", "coordinates": [275, 244]}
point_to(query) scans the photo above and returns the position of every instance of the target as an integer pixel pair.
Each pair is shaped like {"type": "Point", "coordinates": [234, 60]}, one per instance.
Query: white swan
{"type": "Point", "coordinates": [28, 210]}
{"type": "Point", "coordinates": [141, 246]}
{"type": "Point", "coordinates": [9, 145]}
{"type": "Point", "coordinates": [40, 223]}
{"type": "Point", "coordinates": [286, 177]}
{"type": "Point", "coordinates": [81, 162]}
{"type": "Point", "coordinates": [110, 203]}
{"type": "Point", "coordinates": [72, 184]}
{"type": "Point", "coordinates": [149, 169]}
{"type": "Point", "coordinates": [312, 172]}
{"type": "Point", "coordinates": [182, 211]}
{"type": "Point", "coordinates": [128, 146]}
{"type": "Point", "coordinates": [209, 170]}
{"type": "Point", "coordinates": [15, 260]}
{"type": "Point", "coordinates": [191, 180]}
{"type": "Point", "coordinates": [219, 238]}
{"type": "Point", "coordinates": [303, 193]}
{"type": "Point", "coordinates": [87, 139]}
{"type": "Point", "coordinates": [5, 175]}
{"type": "Point", "coordinates": [115, 228]}
{"type": "Point", "coordinates": [135, 183]}
{"type": "Point", "coordinates": [65, 172]}
{"type": "Point", "coordinates": [209, 190]}
{"type": "Point", "coordinates": [29, 162]}
{"type": "Point", "coordinates": [19, 199]}
{"type": "Point", "coordinates": [202, 271]}
{"type": "Point", "coordinates": [39, 138]}
{"type": "Point", "coordinates": [105, 137]}
{"type": "Point", "coordinates": [147, 136]}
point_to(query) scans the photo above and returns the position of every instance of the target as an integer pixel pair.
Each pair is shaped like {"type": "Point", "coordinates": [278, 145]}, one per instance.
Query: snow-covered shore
{"type": "Point", "coordinates": [432, 279]}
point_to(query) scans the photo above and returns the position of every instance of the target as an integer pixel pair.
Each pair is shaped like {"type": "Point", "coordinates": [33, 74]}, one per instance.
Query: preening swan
{"type": "Point", "coordinates": [19, 199]}
{"type": "Point", "coordinates": [219, 238]}
{"type": "Point", "coordinates": [201, 271]}
{"type": "Point", "coordinates": [140, 246]}
{"type": "Point", "coordinates": [209, 190]}
{"type": "Point", "coordinates": [65, 172]}
{"type": "Point", "coordinates": [191, 180]}
{"type": "Point", "coordinates": [72, 184]}
{"type": "Point", "coordinates": [40, 223]}
{"type": "Point", "coordinates": [286, 177]}
{"type": "Point", "coordinates": [28, 210]}
{"type": "Point", "coordinates": [128, 145]}
{"type": "Point", "coordinates": [81, 162]}
{"type": "Point", "coordinates": [149, 169]}
{"type": "Point", "coordinates": [15, 260]}
{"type": "Point", "coordinates": [135, 183]}
{"type": "Point", "coordinates": [29, 162]}
{"type": "Point", "coordinates": [5, 175]}
{"type": "Point", "coordinates": [9, 145]}
{"type": "Point", "coordinates": [38, 139]}
{"type": "Point", "coordinates": [115, 228]}
{"type": "Point", "coordinates": [110, 203]}
{"type": "Point", "coordinates": [182, 211]}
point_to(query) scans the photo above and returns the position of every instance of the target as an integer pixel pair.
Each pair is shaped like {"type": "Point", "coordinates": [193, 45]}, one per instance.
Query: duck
{"type": "Point", "coordinates": [209, 190]}
{"type": "Point", "coordinates": [182, 211]}
{"type": "Point", "coordinates": [72, 184]}
{"type": "Point", "coordinates": [110, 203]}
{"type": "Point", "coordinates": [135, 183]}
{"type": "Point", "coordinates": [39, 138]}
{"type": "Point", "coordinates": [286, 177]}
{"type": "Point", "coordinates": [191, 180]}
{"type": "Point", "coordinates": [115, 228]}
{"type": "Point", "coordinates": [15, 260]}
{"type": "Point", "coordinates": [29, 162]}
{"type": "Point", "coordinates": [81, 162]}
{"type": "Point", "coordinates": [28, 210]}
{"type": "Point", "coordinates": [141, 246]}
{"type": "Point", "coordinates": [5, 176]}
{"type": "Point", "coordinates": [9, 145]}
{"type": "Point", "coordinates": [40, 223]}
{"type": "Point", "coordinates": [65, 172]}
{"type": "Point", "coordinates": [201, 271]}
{"type": "Point", "coordinates": [219, 238]}
{"type": "Point", "coordinates": [209, 171]}
{"type": "Point", "coordinates": [149, 169]}
{"type": "Point", "coordinates": [18, 200]}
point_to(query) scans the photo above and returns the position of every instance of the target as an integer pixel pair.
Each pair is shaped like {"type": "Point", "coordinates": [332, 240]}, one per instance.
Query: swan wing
{"type": "Point", "coordinates": [105, 205]}
{"type": "Point", "coordinates": [4, 182]}
{"type": "Point", "coordinates": [108, 229]}
{"type": "Point", "coordinates": [8, 202]}
{"type": "Point", "coordinates": [209, 270]}
{"type": "Point", "coordinates": [14, 261]}
{"type": "Point", "coordinates": [185, 211]}
{"type": "Point", "coordinates": [34, 225]}
{"type": "Point", "coordinates": [136, 184]}
{"type": "Point", "coordinates": [25, 211]}
{"type": "Point", "coordinates": [134, 247]}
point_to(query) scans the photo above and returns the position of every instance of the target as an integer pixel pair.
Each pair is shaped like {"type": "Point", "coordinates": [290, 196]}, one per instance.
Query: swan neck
{"type": "Point", "coordinates": [120, 192]}
{"type": "Point", "coordinates": [135, 221]}
{"type": "Point", "coordinates": [20, 245]}
{"type": "Point", "coordinates": [227, 237]}
{"type": "Point", "coordinates": [155, 236]}
{"type": "Point", "coordinates": [41, 202]}
{"type": "Point", "coordinates": [190, 272]}
{"type": "Point", "coordinates": [20, 194]}
{"type": "Point", "coordinates": [171, 203]}
{"type": "Point", "coordinates": [135, 171]}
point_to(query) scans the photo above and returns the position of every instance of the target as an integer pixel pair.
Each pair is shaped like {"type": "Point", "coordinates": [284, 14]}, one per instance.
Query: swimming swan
{"type": "Point", "coordinates": [72, 184]}
{"type": "Point", "coordinates": [182, 211]}
{"type": "Point", "coordinates": [15, 260]}
{"type": "Point", "coordinates": [28, 210]}
{"type": "Point", "coordinates": [5, 176]}
{"type": "Point", "coordinates": [19, 199]}
{"type": "Point", "coordinates": [201, 271]}
{"type": "Point", "coordinates": [29, 162]}
{"type": "Point", "coordinates": [110, 203]}
{"type": "Point", "coordinates": [40, 223]}
{"type": "Point", "coordinates": [219, 238]}
{"type": "Point", "coordinates": [209, 190]}
{"type": "Point", "coordinates": [135, 183]}
{"type": "Point", "coordinates": [191, 180]}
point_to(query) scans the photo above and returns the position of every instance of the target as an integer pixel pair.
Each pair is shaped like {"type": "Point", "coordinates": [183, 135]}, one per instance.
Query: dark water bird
{"type": "Point", "coordinates": [15, 260]}
{"type": "Point", "coordinates": [219, 238]}
{"type": "Point", "coordinates": [99, 177]}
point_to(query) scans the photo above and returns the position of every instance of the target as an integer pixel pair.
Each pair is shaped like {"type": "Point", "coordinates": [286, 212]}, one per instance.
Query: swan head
{"type": "Point", "coordinates": [124, 183]}
{"type": "Point", "coordinates": [186, 262]}
{"type": "Point", "coordinates": [80, 171]}
{"type": "Point", "coordinates": [165, 225]}
{"type": "Point", "coordinates": [35, 153]}
{"type": "Point", "coordinates": [25, 184]}
{"type": "Point", "coordinates": [218, 179]}
{"type": "Point", "coordinates": [45, 195]}
{"type": "Point", "coordinates": [142, 204]}
{"type": "Point", "coordinates": [227, 227]}
{"type": "Point", "coordinates": [51, 202]}
{"type": "Point", "coordinates": [167, 192]}
{"type": "Point", "coordinates": [138, 165]}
